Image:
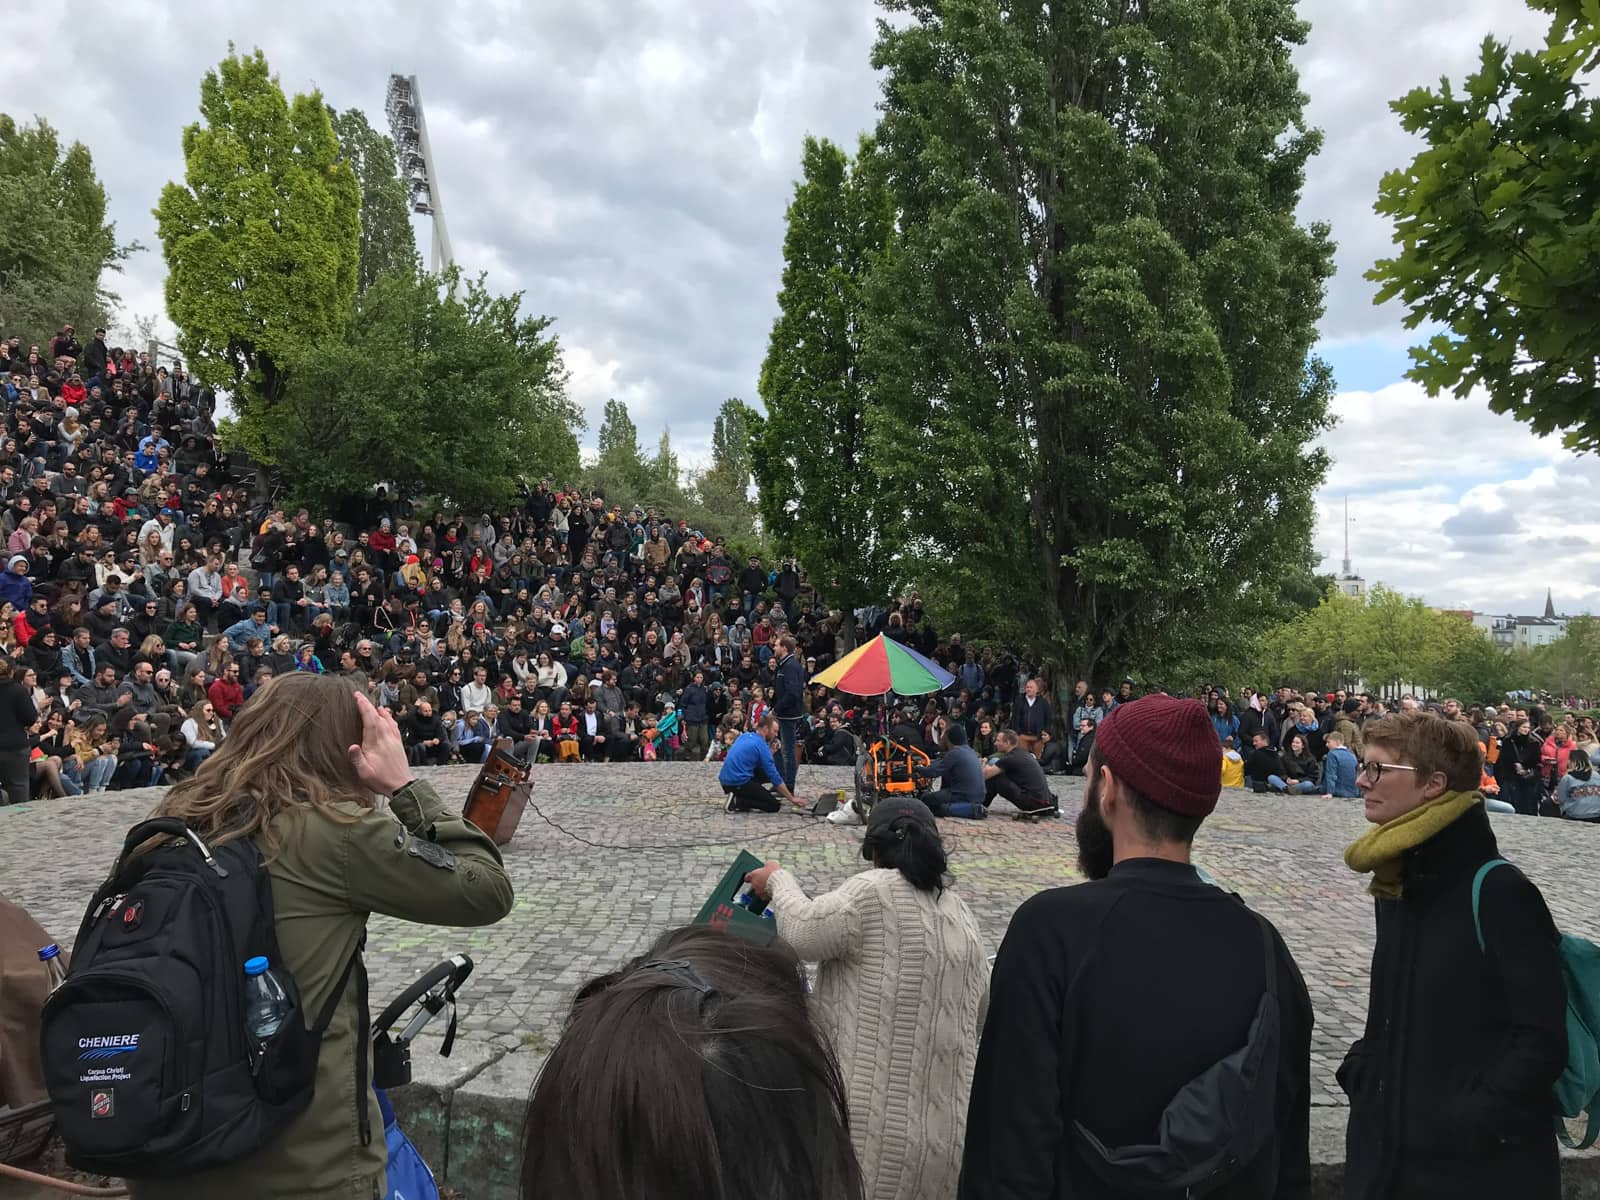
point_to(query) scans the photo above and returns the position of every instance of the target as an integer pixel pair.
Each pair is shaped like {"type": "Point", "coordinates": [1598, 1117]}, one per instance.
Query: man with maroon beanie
{"type": "Point", "coordinates": [1111, 998]}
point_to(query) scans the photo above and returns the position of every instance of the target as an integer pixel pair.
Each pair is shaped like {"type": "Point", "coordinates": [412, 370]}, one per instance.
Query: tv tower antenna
{"type": "Point", "coordinates": [1347, 572]}
{"type": "Point", "coordinates": [415, 158]}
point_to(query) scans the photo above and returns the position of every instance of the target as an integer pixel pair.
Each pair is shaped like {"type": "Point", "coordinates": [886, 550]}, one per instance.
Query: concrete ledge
{"type": "Point", "coordinates": [464, 1114]}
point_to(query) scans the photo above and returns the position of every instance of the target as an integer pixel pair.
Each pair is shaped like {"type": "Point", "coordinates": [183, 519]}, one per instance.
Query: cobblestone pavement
{"type": "Point", "coordinates": [607, 857]}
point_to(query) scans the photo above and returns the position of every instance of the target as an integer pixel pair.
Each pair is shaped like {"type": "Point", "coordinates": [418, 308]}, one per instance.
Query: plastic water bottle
{"type": "Point", "coordinates": [50, 956]}
{"type": "Point", "coordinates": [266, 1004]}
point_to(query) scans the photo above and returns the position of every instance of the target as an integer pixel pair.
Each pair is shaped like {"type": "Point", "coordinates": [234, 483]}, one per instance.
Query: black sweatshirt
{"type": "Point", "coordinates": [1106, 999]}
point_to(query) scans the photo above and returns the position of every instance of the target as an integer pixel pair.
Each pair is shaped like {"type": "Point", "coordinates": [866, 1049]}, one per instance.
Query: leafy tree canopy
{"type": "Point", "coordinates": [262, 237]}
{"type": "Point", "coordinates": [55, 242]}
{"type": "Point", "coordinates": [435, 386]}
{"type": "Point", "coordinates": [819, 497]}
{"type": "Point", "coordinates": [1495, 226]}
{"type": "Point", "coordinates": [1089, 342]}
{"type": "Point", "coordinates": [387, 240]}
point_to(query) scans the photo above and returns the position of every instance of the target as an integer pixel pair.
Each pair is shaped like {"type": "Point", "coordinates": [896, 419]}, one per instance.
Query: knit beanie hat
{"type": "Point", "coordinates": [1166, 750]}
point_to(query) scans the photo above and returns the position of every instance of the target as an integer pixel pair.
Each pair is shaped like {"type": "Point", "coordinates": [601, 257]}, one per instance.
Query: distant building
{"type": "Point", "coordinates": [1524, 633]}
{"type": "Point", "coordinates": [1351, 584]}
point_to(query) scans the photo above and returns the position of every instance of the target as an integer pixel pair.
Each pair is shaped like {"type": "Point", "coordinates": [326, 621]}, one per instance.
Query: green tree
{"type": "Point", "coordinates": [731, 434]}
{"type": "Point", "coordinates": [1569, 666]}
{"type": "Point", "coordinates": [1089, 343]}
{"type": "Point", "coordinates": [55, 242]}
{"type": "Point", "coordinates": [620, 470]}
{"type": "Point", "coordinates": [819, 500]}
{"type": "Point", "coordinates": [1478, 671]}
{"type": "Point", "coordinates": [387, 240]}
{"type": "Point", "coordinates": [663, 468]}
{"type": "Point", "coordinates": [435, 387]}
{"type": "Point", "coordinates": [721, 492]}
{"type": "Point", "coordinates": [1494, 221]}
{"type": "Point", "coordinates": [261, 239]}
{"type": "Point", "coordinates": [1319, 647]}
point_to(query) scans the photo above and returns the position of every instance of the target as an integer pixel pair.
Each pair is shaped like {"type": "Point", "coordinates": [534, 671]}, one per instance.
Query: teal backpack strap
{"type": "Point", "coordinates": [1477, 891]}
{"type": "Point", "coordinates": [1589, 1135]}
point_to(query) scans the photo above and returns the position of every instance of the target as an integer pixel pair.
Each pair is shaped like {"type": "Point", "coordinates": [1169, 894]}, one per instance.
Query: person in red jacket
{"type": "Point", "coordinates": [1553, 755]}
{"type": "Point", "coordinates": [564, 725]}
{"type": "Point", "coordinates": [226, 693]}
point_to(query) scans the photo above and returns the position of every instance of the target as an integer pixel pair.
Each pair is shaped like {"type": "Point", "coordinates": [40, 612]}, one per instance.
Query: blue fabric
{"type": "Point", "coordinates": [1226, 727]}
{"type": "Point", "coordinates": [409, 1177]}
{"type": "Point", "coordinates": [748, 754]}
{"type": "Point", "coordinates": [1339, 773]}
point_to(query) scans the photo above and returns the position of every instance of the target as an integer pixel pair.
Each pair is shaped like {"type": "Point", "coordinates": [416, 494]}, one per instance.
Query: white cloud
{"type": "Point", "coordinates": [1457, 504]}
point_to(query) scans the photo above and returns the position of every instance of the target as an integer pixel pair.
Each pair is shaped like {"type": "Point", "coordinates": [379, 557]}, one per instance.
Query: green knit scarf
{"type": "Point", "coordinates": [1379, 850]}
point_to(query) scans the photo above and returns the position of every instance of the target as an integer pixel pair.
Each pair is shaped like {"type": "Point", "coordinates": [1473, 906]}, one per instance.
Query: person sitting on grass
{"type": "Point", "coordinates": [750, 756]}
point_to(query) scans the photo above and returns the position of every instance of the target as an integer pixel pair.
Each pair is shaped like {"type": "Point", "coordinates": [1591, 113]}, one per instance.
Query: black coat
{"type": "Point", "coordinates": [1106, 999]}
{"type": "Point", "coordinates": [1450, 1087]}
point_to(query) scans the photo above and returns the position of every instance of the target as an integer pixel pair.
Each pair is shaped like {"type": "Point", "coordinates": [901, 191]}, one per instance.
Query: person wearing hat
{"type": "Point", "coordinates": [901, 991]}
{"type": "Point", "coordinates": [1119, 1008]}
{"type": "Point", "coordinates": [960, 772]}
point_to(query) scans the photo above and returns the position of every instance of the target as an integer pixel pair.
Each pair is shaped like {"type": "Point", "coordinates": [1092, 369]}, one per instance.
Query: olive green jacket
{"type": "Point", "coordinates": [326, 878]}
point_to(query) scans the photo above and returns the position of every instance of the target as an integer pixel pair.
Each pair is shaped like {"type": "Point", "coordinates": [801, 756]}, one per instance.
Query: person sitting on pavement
{"type": "Point", "coordinates": [960, 772]}
{"type": "Point", "coordinates": [1339, 769]}
{"type": "Point", "coordinates": [1299, 774]}
{"type": "Point", "coordinates": [703, 1050]}
{"type": "Point", "coordinates": [1578, 793]}
{"type": "Point", "coordinates": [902, 983]}
{"type": "Point", "coordinates": [748, 757]}
{"type": "Point", "coordinates": [1016, 775]}
{"type": "Point", "coordinates": [1263, 763]}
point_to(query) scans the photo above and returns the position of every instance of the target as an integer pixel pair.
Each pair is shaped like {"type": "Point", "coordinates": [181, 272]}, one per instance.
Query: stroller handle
{"type": "Point", "coordinates": [452, 972]}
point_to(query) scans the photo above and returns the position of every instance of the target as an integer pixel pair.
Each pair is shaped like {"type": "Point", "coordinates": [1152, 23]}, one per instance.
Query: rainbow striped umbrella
{"type": "Point", "coordinates": [883, 666]}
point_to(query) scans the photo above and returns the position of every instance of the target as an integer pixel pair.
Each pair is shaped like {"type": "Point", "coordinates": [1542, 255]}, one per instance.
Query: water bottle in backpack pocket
{"type": "Point", "coordinates": [151, 1068]}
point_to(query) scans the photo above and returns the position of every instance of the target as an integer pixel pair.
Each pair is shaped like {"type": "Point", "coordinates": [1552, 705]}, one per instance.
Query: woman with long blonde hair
{"type": "Point", "coordinates": [300, 773]}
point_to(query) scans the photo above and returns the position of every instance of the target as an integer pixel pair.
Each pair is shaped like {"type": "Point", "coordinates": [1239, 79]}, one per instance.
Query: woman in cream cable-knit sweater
{"type": "Point", "coordinates": [902, 991]}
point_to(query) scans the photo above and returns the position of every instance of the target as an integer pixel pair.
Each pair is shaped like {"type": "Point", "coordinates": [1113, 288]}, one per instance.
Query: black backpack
{"type": "Point", "coordinates": [150, 1069]}
{"type": "Point", "coordinates": [1216, 1125]}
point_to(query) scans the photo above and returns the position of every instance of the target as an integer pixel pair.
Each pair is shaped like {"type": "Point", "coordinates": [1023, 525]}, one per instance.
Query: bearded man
{"type": "Point", "coordinates": [1147, 1032]}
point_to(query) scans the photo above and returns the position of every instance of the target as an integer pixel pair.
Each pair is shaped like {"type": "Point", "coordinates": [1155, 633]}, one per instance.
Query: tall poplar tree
{"type": "Point", "coordinates": [262, 237]}
{"type": "Point", "coordinates": [818, 495]}
{"type": "Point", "coordinates": [387, 243]}
{"type": "Point", "coordinates": [1093, 395]}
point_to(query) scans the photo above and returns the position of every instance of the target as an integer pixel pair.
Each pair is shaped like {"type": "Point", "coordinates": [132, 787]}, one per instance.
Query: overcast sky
{"type": "Point", "coordinates": [628, 164]}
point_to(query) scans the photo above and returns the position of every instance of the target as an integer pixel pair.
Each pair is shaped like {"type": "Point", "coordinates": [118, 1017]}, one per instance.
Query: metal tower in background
{"type": "Point", "coordinates": [415, 158]}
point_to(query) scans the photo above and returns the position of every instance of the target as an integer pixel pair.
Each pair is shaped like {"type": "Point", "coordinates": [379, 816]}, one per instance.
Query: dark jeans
{"type": "Point", "coordinates": [422, 756]}
{"type": "Point", "coordinates": [16, 775]}
{"type": "Point", "coordinates": [788, 762]}
{"type": "Point", "coordinates": [753, 796]}
{"type": "Point", "coordinates": [474, 752]}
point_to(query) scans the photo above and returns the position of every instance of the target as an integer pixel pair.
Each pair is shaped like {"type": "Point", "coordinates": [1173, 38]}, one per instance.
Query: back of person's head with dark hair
{"type": "Point", "coordinates": [1161, 824]}
{"type": "Point", "coordinates": [914, 850]}
{"type": "Point", "coordinates": [692, 1071]}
